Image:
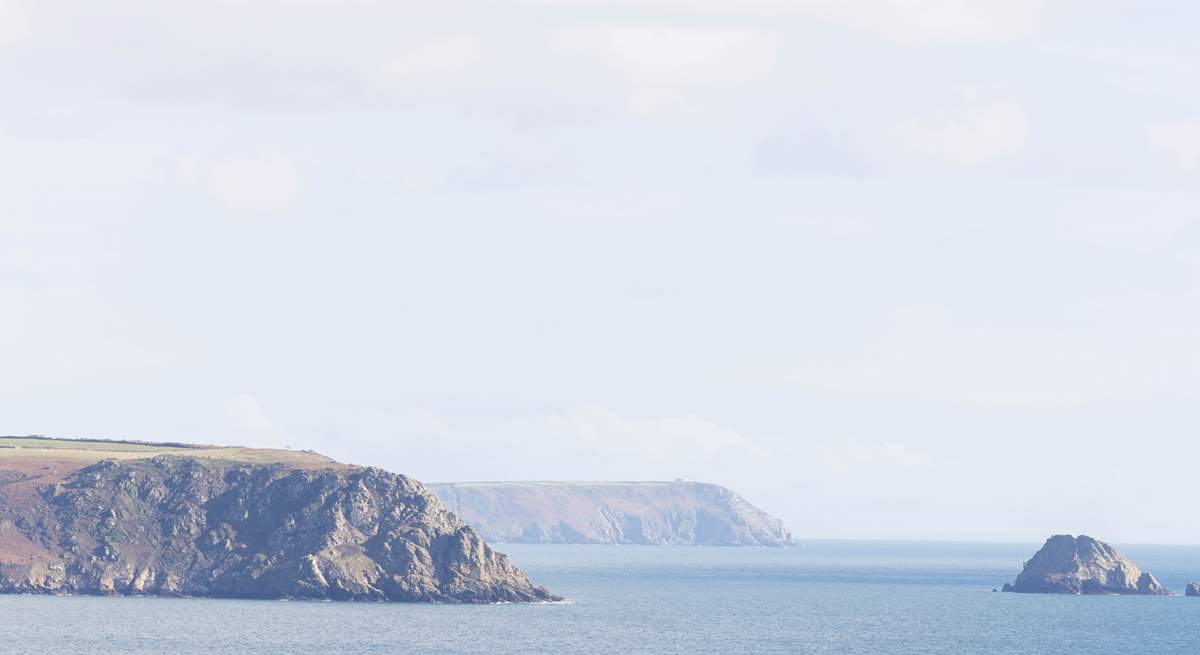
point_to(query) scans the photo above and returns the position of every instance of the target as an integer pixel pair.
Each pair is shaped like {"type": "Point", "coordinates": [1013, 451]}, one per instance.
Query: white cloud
{"type": "Point", "coordinates": [961, 21]}
{"type": "Point", "coordinates": [1179, 141]}
{"type": "Point", "coordinates": [434, 59]}
{"type": "Point", "coordinates": [14, 22]}
{"type": "Point", "coordinates": [675, 56]}
{"type": "Point", "coordinates": [978, 135]}
{"type": "Point", "coordinates": [264, 185]}
{"type": "Point", "coordinates": [663, 62]}
{"type": "Point", "coordinates": [909, 21]}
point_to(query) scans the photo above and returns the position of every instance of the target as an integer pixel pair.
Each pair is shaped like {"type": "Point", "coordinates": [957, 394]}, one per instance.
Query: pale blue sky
{"type": "Point", "coordinates": [905, 268]}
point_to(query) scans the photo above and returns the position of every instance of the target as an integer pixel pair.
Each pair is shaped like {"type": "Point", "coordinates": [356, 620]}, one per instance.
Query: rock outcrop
{"type": "Point", "coordinates": [186, 526]}
{"type": "Point", "coordinates": [652, 513]}
{"type": "Point", "coordinates": [1193, 589]}
{"type": "Point", "coordinates": [1082, 565]}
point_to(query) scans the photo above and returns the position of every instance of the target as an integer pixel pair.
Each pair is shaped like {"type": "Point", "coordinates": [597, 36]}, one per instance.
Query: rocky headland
{"type": "Point", "coordinates": [649, 513]}
{"type": "Point", "coordinates": [242, 523]}
{"type": "Point", "coordinates": [1082, 565]}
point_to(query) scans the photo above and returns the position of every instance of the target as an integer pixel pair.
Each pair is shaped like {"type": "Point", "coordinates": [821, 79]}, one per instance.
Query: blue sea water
{"type": "Point", "coordinates": [823, 597]}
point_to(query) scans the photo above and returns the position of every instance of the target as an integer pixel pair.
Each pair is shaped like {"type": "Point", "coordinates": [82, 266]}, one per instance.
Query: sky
{"type": "Point", "coordinates": [914, 269]}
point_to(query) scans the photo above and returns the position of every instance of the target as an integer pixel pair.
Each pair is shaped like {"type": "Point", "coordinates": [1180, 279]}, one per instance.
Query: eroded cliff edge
{"type": "Point", "coordinates": [651, 513]}
{"type": "Point", "coordinates": [176, 525]}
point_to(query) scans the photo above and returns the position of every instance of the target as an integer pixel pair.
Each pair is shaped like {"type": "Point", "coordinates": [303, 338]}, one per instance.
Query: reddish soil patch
{"type": "Point", "coordinates": [22, 480]}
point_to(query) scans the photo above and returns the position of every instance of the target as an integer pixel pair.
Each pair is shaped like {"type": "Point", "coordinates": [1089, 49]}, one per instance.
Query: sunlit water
{"type": "Point", "coordinates": [826, 597]}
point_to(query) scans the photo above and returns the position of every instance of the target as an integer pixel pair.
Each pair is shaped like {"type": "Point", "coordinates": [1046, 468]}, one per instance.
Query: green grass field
{"type": "Point", "coordinates": [86, 444]}
{"type": "Point", "coordinates": [94, 450]}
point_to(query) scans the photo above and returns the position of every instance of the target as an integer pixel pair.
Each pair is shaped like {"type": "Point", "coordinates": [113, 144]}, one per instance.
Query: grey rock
{"type": "Point", "coordinates": [1082, 565]}
{"type": "Point", "coordinates": [1193, 589]}
{"type": "Point", "coordinates": [650, 513]}
{"type": "Point", "coordinates": [183, 526]}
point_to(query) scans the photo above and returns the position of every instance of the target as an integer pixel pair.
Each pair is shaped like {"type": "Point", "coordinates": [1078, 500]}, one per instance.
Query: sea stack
{"type": "Point", "coordinates": [1193, 589]}
{"type": "Point", "coordinates": [1082, 565]}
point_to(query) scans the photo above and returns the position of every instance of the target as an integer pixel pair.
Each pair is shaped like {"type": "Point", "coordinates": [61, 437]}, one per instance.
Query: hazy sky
{"type": "Point", "coordinates": [900, 268]}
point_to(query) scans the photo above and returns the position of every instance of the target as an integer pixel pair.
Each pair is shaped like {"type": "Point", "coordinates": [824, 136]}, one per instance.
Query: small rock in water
{"type": "Point", "coordinates": [1193, 589]}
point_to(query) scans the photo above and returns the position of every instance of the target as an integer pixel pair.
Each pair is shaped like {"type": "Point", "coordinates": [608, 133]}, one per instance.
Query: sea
{"type": "Point", "coordinates": [816, 597]}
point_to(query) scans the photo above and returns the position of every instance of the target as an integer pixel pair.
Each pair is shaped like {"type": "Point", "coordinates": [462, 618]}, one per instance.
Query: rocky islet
{"type": "Point", "coordinates": [1082, 565]}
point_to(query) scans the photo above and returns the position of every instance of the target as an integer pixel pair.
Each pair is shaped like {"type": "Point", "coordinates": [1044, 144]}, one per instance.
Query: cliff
{"type": "Point", "coordinates": [689, 513]}
{"type": "Point", "coordinates": [207, 526]}
{"type": "Point", "coordinates": [1082, 565]}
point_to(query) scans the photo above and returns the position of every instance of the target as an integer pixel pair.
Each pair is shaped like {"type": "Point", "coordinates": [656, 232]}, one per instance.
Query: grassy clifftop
{"type": "Point", "coordinates": [90, 451]}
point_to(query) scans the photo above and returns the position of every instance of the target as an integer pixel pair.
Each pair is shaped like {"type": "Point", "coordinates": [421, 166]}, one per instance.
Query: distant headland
{"type": "Point", "coordinates": [646, 513]}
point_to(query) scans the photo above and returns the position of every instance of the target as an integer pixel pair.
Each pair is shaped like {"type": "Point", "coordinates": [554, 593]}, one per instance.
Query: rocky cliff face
{"type": "Point", "coordinates": [204, 527]}
{"type": "Point", "coordinates": [655, 513]}
{"type": "Point", "coordinates": [1082, 565]}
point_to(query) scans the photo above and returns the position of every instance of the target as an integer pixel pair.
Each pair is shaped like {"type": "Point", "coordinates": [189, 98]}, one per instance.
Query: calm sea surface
{"type": "Point", "coordinates": [825, 597]}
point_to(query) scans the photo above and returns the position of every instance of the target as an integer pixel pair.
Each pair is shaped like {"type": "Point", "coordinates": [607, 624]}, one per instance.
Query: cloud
{"type": "Point", "coordinates": [434, 59]}
{"type": "Point", "coordinates": [263, 185]}
{"type": "Point", "coordinates": [663, 62]}
{"type": "Point", "coordinates": [673, 56]}
{"type": "Point", "coordinates": [906, 21]}
{"type": "Point", "coordinates": [978, 135]}
{"type": "Point", "coordinates": [1178, 141]}
{"type": "Point", "coordinates": [14, 22]}
{"type": "Point", "coordinates": [936, 21]}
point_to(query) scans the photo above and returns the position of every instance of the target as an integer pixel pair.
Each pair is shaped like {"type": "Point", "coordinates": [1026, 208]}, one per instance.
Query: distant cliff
{"type": "Point", "coordinates": [657, 513]}
{"type": "Point", "coordinates": [204, 526]}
